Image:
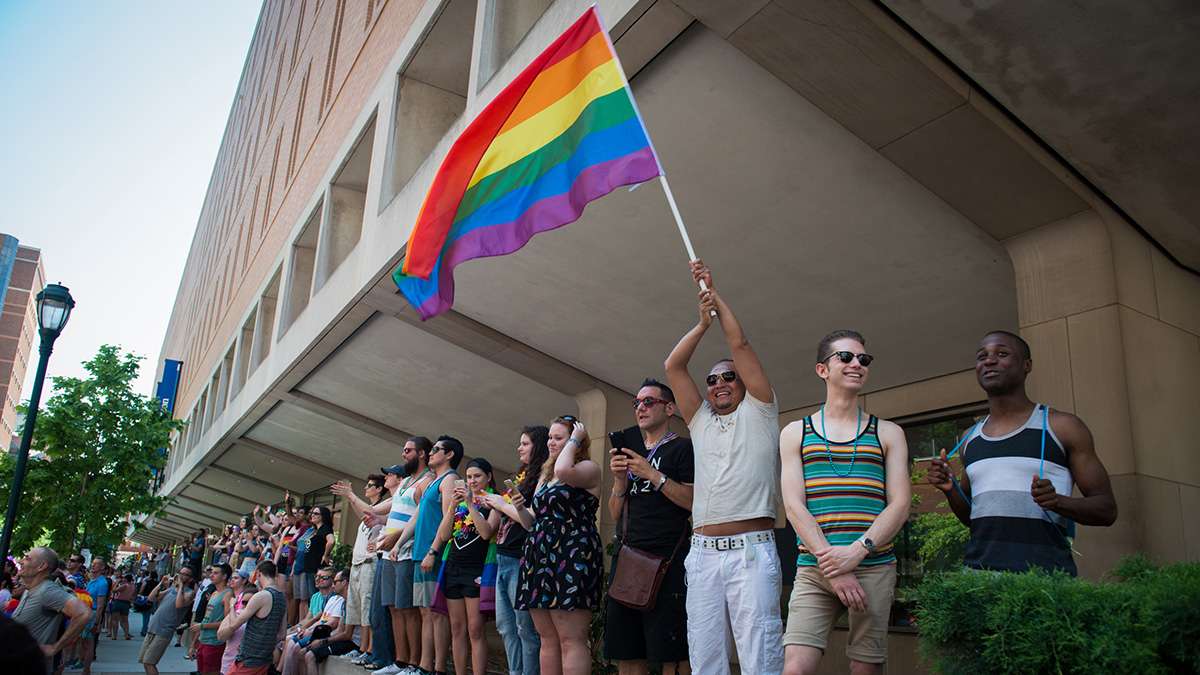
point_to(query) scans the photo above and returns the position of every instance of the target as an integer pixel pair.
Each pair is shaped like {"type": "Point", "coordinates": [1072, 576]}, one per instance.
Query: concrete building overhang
{"type": "Point", "coordinates": [832, 173]}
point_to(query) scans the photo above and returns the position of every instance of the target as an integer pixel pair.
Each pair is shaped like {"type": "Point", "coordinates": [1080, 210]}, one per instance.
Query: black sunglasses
{"type": "Point", "coordinates": [649, 402]}
{"type": "Point", "coordinates": [728, 376]}
{"type": "Point", "coordinates": [864, 360]}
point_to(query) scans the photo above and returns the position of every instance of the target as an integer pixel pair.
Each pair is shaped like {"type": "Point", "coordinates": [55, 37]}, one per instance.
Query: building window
{"type": "Point", "coordinates": [507, 23]}
{"type": "Point", "coordinates": [347, 204]}
{"type": "Point", "coordinates": [300, 272]}
{"type": "Point", "coordinates": [431, 95]}
{"type": "Point", "coordinates": [927, 435]}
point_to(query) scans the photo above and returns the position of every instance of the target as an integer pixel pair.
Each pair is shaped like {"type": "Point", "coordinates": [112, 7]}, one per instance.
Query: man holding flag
{"type": "Point", "coordinates": [733, 574]}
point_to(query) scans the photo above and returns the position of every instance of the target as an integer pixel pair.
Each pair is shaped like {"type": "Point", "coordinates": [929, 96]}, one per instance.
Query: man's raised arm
{"type": "Point", "coordinates": [687, 395]}
{"type": "Point", "coordinates": [745, 360]}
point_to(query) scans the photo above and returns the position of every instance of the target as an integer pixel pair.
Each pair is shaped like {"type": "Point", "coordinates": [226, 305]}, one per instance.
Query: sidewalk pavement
{"type": "Point", "coordinates": [119, 657]}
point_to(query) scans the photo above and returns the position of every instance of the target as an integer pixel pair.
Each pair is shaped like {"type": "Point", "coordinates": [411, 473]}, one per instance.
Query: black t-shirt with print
{"type": "Point", "coordinates": [467, 548]}
{"type": "Point", "coordinates": [655, 522]}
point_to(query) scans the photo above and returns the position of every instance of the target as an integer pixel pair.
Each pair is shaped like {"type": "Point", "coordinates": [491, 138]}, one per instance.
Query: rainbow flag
{"type": "Point", "coordinates": [563, 133]}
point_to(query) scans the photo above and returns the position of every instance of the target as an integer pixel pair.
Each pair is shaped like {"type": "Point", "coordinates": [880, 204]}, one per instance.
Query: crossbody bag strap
{"type": "Point", "coordinates": [625, 513]}
{"type": "Point", "coordinates": [679, 543]}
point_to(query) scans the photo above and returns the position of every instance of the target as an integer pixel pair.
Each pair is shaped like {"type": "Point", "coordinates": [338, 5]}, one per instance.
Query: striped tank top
{"type": "Point", "coordinates": [404, 506]}
{"type": "Point", "coordinates": [1009, 531]}
{"type": "Point", "coordinates": [258, 643]}
{"type": "Point", "coordinates": [844, 489]}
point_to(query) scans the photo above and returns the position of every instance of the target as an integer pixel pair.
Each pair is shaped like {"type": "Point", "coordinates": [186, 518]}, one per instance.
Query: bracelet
{"type": "Point", "coordinates": [571, 440]}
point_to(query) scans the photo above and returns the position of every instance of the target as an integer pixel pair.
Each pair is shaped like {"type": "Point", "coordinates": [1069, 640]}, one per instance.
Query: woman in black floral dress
{"type": "Point", "coordinates": [560, 572]}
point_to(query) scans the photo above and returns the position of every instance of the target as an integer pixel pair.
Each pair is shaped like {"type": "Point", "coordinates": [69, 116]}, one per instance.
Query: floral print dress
{"type": "Point", "coordinates": [563, 559]}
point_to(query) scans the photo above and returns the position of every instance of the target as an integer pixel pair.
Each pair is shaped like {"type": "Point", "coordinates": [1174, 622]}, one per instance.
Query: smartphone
{"type": "Point", "coordinates": [512, 486]}
{"type": "Point", "coordinates": [628, 438]}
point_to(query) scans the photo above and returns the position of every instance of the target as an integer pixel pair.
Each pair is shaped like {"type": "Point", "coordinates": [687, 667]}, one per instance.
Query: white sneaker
{"type": "Point", "coordinates": [350, 656]}
{"type": "Point", "coordinates": [392, 669]}
{"type": "Point", "coordinates": [410, 670]}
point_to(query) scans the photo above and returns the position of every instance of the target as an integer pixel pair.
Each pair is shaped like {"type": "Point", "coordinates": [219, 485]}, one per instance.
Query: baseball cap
{"type": "Point", "coordinates": [397, 469]}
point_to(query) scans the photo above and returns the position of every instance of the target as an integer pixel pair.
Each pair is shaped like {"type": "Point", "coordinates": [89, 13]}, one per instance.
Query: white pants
{"type": "Point", "coordinates": [738, 588]}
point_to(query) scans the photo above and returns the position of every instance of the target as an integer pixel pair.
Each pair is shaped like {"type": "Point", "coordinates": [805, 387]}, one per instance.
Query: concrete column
{"type": "Point", "coordinates": [1088, 303]}
{"type": "Point", "coordinates": [604, 410]}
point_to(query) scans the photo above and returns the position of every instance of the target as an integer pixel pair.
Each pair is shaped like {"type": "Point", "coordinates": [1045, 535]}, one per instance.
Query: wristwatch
{"type": "Point", "coordinates": [867, 544]}
{"type": "Point", "coordinates": [662, 480]}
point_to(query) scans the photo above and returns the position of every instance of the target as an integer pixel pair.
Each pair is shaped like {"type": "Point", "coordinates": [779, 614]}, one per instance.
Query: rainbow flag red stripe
{"type": "Point", "coordinates": [563, 133]}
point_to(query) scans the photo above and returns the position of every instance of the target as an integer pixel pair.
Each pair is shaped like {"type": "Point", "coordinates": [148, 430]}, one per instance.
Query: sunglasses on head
{"type": "Point", "coordinates": [568, 418]}
{"type": "Point", "coordinates": [649, 402]}
{"type": "Point", "coordinates": [728, 376]}
{"type": "Point", "coordinates": [864, 360]}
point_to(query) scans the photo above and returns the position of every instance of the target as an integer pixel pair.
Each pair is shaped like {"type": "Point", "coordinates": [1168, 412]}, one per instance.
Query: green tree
{"type": "Point", "coordinates": [95, 450]}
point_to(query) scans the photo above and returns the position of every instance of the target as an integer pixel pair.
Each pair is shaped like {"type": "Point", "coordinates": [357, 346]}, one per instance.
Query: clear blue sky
{"type": "Point", "coordinates": [112, 115]}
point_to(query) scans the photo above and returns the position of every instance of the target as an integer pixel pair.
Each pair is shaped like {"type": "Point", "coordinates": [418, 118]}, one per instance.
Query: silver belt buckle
{"type": "Point", "coordinates": [723, 544]}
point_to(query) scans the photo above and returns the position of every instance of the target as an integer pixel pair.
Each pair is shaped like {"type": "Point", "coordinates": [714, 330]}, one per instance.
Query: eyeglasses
{"type": "Point", "coordinates": [864, 360]}
{"type": "Point", "coordinates": [324, 577]}
{"type": "Point", "coordinates": [649, 402]}
{"type": "Point", "coordinates": [314, 513]}
{"type": "Point", "coordinates": [374, 485]}
{"type": "Point", "coordinates": [728, 376]}
{"type": "Point", "coordinates": [78, 560]}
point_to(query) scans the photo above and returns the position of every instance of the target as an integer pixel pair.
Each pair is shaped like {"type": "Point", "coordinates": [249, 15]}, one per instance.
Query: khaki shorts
{"type": "Point", "coordinates": [153, 648]}
{"type": "Point", "coordinates": [814, 607]}
{"type": "Point", "coordinates": [358, 599]}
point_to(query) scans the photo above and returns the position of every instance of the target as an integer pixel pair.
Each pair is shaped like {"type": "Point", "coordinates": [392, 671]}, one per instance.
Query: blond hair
{"type": "Point", "coordinates": [582, 450]}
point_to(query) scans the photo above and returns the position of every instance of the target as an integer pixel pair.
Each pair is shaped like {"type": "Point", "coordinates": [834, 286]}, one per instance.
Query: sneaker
{"type": "Point", "coordinates": [390, 669]}
{"type": "Point", "coordinates": [362, 659]}
{"type": "Point", "coordinates": [350, 656]}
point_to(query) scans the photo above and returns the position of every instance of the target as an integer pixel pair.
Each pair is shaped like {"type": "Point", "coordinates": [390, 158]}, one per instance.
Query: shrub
{"type": "Point", "coordinates": [942, 540]}
{"type": "Point", "coordinates": [1148, 622]}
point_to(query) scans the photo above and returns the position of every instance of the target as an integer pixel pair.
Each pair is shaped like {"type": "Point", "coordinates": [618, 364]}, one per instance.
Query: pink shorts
{"type": "Point", "coordinates": [208, 658]}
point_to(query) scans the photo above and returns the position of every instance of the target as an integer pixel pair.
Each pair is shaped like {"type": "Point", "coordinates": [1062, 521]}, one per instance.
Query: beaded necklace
{"type": "Point", "coordinates": [829, 454]}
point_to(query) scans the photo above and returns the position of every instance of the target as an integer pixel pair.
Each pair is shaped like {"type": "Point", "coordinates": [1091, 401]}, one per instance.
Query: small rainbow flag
{"type": "Point", "coordinates": [563, 133]}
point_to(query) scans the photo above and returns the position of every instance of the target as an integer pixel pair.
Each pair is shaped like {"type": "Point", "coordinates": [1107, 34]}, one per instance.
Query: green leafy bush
{"type": "Point", "coordinates": [978, 622]}
{"type": "Point", "coordinates": [942, 540]}
{"type": "Point", "coordinates": [340, 556]}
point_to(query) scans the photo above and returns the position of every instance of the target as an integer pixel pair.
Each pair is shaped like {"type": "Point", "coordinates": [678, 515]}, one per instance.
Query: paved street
{"type": "Point", "coordinates": [120, 656]}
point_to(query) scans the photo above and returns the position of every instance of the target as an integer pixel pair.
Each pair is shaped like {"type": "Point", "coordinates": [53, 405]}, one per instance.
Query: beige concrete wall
{"type": "Point", "coordinates": [1112, 323]}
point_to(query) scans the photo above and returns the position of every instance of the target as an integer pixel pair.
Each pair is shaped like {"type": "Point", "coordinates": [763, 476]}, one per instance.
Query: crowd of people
{"type": "Point", "coordinates": [441, 548]}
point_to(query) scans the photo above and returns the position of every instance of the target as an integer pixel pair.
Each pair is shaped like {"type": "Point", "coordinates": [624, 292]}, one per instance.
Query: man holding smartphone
{"type": "Point", "coordinates": [651, 501]}
{"type": "Point", "coordinates": [174, 597]}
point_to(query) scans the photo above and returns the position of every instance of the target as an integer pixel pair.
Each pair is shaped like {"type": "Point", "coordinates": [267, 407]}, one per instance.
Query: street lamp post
{"type": "Point", "coordinates": [54, 305]}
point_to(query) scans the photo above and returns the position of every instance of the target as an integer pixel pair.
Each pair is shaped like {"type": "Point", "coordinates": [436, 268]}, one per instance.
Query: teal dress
{"type": "Point", "coordinates": [429, 518]}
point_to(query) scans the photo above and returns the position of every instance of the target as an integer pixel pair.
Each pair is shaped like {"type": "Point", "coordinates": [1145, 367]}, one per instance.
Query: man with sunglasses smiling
{"type": "Point", "coordinates": [651, 501]}
{"type": "Point", "coordinates": [847, 493]}
{"type": "Point", "coordinates": [733, 566]}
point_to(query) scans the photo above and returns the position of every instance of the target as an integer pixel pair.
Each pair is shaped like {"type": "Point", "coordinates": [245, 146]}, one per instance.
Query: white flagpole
{"type": "Point", "coordinates": [662, 173]}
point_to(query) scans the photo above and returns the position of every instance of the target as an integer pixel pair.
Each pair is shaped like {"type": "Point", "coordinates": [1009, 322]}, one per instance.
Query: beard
{"type": "Point", "coordinates": [411, 466]}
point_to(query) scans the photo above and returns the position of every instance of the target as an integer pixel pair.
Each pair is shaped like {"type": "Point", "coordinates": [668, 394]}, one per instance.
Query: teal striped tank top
{"type": "Point", "coordinates": [844, 489]}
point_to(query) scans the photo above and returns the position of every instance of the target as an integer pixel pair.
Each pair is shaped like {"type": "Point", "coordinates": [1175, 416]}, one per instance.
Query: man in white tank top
{"type": "Point", "coordinates": [733, 574]}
